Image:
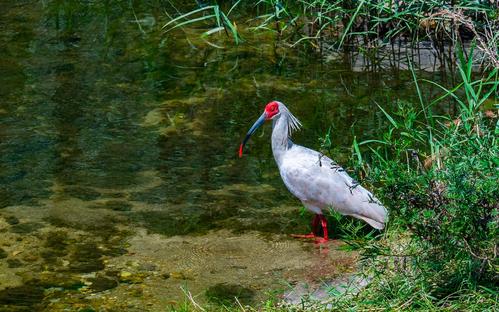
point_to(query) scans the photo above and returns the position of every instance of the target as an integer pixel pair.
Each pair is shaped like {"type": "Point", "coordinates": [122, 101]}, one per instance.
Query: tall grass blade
{"type": "Point", "coordinates": [190, 22]}
{"type": "Point", "coordinates": [184, 16]}
{"type": "Point", "coordinates": [390, 119]}
{"type": "Point", "coordinates": [352, 20]}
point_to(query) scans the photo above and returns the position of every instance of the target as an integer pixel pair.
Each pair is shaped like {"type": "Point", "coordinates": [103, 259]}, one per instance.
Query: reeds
{"type": "Point", "coordinates": [365, 26]}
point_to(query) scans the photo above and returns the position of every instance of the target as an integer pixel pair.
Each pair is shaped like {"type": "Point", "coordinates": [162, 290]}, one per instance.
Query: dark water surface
{"type": "Point", "coordinates": [119, 179]}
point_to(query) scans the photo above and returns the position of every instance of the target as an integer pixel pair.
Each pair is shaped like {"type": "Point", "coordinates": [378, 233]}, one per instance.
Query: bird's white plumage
{"type": "Point", "coordinates": [317, 180]}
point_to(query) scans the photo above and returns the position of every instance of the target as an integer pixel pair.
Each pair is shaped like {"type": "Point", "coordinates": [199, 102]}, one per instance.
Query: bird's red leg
{"type": "Point", "coordinates": [324, 239]}
{"type": "Point", "coordinates": [315, 223]}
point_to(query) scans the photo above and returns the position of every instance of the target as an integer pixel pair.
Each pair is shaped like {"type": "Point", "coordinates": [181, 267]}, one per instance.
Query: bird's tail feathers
{"type": "Point", "coordinates": [374, 214]}
{"type": "Point", "coordinates": [375, 224]}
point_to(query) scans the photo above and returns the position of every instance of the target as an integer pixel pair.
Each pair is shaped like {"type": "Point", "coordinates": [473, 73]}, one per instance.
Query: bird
{"type": "Point", "coordinates": [315, 179]}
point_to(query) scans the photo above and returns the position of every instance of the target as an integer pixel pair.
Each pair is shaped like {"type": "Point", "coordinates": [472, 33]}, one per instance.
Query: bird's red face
{"type": "Point", "coordinates": [271, 110]}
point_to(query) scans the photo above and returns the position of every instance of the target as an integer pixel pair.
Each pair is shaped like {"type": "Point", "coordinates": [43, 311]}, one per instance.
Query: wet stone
{"type": "Point", "coordinates": [224, 294]}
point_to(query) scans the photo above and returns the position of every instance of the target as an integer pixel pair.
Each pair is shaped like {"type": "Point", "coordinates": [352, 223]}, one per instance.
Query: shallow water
{"type": "Point", "coordinates": [119, 180]}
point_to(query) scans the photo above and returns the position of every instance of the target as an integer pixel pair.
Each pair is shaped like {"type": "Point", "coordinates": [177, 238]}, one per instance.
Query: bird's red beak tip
{"type": "Point", "coordinates": [240, 151]}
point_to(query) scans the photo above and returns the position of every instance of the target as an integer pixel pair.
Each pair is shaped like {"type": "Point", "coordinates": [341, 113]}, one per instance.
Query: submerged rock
{"type": "Point", "coordinates": [23, 297]}
{"type": "Point", "coordinates": [225, 294]}
{"type": "Point", "coordinates": [86, 258]}
{"type": "Point", "coordinates": [74, 215]}
{"type": "Point", "coordinates": [148, 267]}
{"type": "Point", "coordinates": [181, 275]}
{"type": "Point", "coordinates": [116, 205]}
{"type": "Point", "coordinates": [14, 263]}
{"type": "Point", "coordinates": [132, 278]}
{"type": "Point", "coordinates": [12, 220]}
{"type": "Point", "coordinates": [102, 283]}
{"type": "Point", "coordinates": [83, 193]}
{"type": "Point", "coordinates": [48, 280]}
{"type": "Point", "coordinates": [3, 253]}
{"type": "Point", "coordinates": [25, 228]}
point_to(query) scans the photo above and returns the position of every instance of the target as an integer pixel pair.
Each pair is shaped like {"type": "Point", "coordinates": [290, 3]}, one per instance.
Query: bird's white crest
{"type": "Point", "coordinates": [293, 124]}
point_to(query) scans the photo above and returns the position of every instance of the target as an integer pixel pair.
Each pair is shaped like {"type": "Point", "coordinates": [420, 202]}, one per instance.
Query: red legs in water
{"type": "Point", "coordinates": [318, 218]}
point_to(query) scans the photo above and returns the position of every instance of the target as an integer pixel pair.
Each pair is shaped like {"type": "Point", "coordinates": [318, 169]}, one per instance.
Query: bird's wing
{"type": "Point", "coordinates": [318, 180]}
{"type": "Point", "coordinates": [313, 177]}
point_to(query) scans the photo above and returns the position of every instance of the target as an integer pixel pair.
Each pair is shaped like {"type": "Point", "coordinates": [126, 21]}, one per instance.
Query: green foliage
{"type": "Point", "coordinates": [439, 177]}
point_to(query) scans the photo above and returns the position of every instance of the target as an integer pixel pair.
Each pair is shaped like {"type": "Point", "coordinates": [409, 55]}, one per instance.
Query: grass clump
{"type": "Point", "coordinates": [439, 177]}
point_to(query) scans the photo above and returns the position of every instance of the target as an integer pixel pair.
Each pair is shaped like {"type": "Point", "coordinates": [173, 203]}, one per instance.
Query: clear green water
{"type": "Point", "coordinates": [119, 179]}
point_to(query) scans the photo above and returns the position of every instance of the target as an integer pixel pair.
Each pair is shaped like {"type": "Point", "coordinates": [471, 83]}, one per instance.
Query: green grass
{"type": "Point", "coordinates": [440, 249]}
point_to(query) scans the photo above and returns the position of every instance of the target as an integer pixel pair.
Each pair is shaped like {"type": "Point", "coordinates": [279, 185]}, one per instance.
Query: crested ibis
{"type": "Point", "coordinates": [317, 181]}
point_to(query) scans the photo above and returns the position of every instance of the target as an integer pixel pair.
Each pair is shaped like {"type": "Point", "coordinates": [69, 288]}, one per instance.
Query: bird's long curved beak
{"type": "Point", "coordinates": [253, 128]}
